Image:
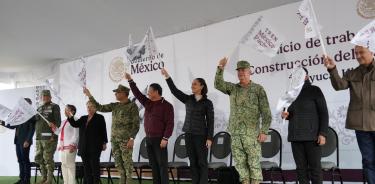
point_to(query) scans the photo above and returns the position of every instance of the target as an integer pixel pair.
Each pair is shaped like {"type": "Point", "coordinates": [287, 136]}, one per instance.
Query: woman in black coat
{"type": "Point", "coordinates": [307, 131]}
{"type": "Point", "coordinates": [198, 125]}
{"type": "Point", "coordinates": [92, 141]}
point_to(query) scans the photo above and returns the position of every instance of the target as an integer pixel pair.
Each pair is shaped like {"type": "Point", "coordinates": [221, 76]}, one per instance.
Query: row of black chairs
{"type": "Point", "coordinates": [272, 148]}
{"type": "Point", "coordinates": [219, 155]}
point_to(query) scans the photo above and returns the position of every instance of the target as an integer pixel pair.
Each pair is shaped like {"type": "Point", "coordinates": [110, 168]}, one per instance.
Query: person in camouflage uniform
{"type": "Point", "coordinates": [248, 104]}
{"type": "Point", "coordinates": [125, 126]}
{"type": "Point", "coordinates": [46, 140]}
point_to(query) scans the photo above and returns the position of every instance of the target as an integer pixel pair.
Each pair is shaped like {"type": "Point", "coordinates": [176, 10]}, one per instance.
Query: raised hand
{"type": "Point", "coordinates": [328, 62]}
{"type": "Point", "coordinates": [223, 62]}
{"type": "Point", "coordinates": [164, 72]}
{"type": "Point", "coordinates": [87, 92]}
{"type": "Point", "coordinates": [128, 76]}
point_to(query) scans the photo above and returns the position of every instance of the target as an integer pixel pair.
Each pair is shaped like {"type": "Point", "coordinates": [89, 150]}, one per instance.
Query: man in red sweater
{"type": "Point", "coordinates": [158, 123]}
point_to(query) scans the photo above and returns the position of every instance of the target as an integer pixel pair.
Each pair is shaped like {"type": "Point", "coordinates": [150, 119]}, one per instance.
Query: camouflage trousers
{"type": "Point", "coordinates": [45, 150]}
{"type": "Point", "coordinates": [247, 153]}
{"type": "Point", "coordinates": [123, 161]}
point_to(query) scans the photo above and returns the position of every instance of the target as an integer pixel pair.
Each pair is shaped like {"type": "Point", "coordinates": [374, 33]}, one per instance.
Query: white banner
{"type": "Point", "coordinates": [366, 36]}
{"type": "Point", "coordinates": [4, 112]}
{"type": "Point", "coordinates": [263, 38]}
{"type": "Point", "coordinates": [22, 112]}
{"type": "Point", "coordinates": [195, 53]}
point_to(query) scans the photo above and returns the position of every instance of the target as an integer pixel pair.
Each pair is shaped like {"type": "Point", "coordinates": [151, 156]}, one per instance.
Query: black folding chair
{"type": "Point", "coordinates": [179, 151]}
{"type": "Point", "coordinates": [141, 165]}
{"type": "Point", "coordinates": [220, 150]}
{"type": "Point", "coordinates": [331, 146]}
{"type": "Point", "coordinates": [270, 149]}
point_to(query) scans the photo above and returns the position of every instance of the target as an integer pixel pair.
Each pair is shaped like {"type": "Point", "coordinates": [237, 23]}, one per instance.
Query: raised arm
{"type": "Point", "coordinates": [220, 84]}
{"type": "Point", "coordinates": [174, 90]}
{"type": "Point", "coordinates": [99, 107]}
{"type": "Point", "coordinates": [138, 94]}
{"type": "Point", "coordinates": [337, 82]}
{"type": "Point", "coordinates": [76, 123]}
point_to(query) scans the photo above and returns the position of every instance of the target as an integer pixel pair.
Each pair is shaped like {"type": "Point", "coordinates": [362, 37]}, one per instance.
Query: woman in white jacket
{"type": "Point", "coordinates": [67, 146]}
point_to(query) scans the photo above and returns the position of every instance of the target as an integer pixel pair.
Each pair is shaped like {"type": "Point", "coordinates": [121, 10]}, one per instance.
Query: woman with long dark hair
{"type": "Point", "coordinates": [198, 125]}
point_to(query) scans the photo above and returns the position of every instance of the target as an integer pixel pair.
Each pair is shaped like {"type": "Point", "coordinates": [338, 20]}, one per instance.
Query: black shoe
{"type": "Point", "coordinates": [19, 182]}
{"type": "Point", "coordinates": [27, 181]}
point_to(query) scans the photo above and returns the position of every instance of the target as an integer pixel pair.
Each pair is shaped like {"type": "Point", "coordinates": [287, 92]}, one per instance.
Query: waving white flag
{"type": "Point", "coordinates": [305, 14]}
{"type": "Point", "coordinates": [81, 77]}
{"type": "Point", "coordinates": [4, 112]}
{"type": "Point", "coordinates": [263, 38]}
{"type": "Point", "coordinates": [146, 48]}
{"type": "Point", "coordinates": [297, 80]}
{"type": "Point", "coordinates": [366, 37]}
{"type": "Point", "coordinates": [54, 91]}
{"type": "Point", "coordinates": [22, 112]}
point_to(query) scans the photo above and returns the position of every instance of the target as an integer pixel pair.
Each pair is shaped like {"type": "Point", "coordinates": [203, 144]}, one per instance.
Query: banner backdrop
{"type": "Point", "coordinates": [196, 53]}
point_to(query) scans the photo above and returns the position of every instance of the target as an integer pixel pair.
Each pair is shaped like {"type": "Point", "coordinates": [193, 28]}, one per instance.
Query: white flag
{"type": "Point", "coordinates": [366, 37]}
{"type": "Point", "coordinates": [150, 43]}
{"type": "Point", "coordinates": [22, 112]}
{"type": "Point", "coordinates": [4, 112]}
{"type": "Point", "coordinates": [263, 38]}
{"type": "Point", "coordinates": [305, 14]}
{"type": "Point", "coordinates": [297, 80]}
{"type": "Point", "coordinates": [146, 48]}
{"type": "Point", "coordinates": [81, 77]}
{"type": "Point", "coordinates": [54, 91]}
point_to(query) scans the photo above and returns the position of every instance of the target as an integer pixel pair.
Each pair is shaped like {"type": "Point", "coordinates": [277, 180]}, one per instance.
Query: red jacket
{"type": "Point", "coordinates": [159, 115]}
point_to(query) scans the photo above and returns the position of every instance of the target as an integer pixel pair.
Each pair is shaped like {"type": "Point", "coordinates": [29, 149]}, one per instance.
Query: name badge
{"type": "Point", "coordinates": [46, 134]}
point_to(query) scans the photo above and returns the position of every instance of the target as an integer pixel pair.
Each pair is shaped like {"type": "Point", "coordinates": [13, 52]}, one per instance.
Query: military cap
{"type": "Point", "coordinates": [121, 88]}
{"type": "Point", "coordinates": [46, 93]}
{"type": "Point", "coordinates": [242, 64]}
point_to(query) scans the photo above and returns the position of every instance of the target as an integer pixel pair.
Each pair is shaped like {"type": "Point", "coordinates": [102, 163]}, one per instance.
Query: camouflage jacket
{"type": "Point", "coordinates": [248, 107]}
{"type": "Point", "coordinates": [125, 119]}
{"type": "Point", "coordinates": [51, 112]}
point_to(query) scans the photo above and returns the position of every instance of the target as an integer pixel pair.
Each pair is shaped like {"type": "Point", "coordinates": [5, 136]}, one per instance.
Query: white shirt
{"type": "Point", "coordinates": [71, 135]}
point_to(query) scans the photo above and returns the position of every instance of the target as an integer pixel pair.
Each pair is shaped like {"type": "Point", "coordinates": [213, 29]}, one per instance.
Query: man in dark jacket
{"type": "Point", "coordinates": [23, 139]}
{"type": "Point", "coordinates": [308, 126]}
{"type": "Point", "coordinates": [158, 124]}
{"type": "Point", "coordinates": [361, 112]}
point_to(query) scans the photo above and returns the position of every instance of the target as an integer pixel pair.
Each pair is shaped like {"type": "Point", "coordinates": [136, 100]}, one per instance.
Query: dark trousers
{"type": "Point", "coordinates": [23, 162]}
{"type": "Point", "coordinates": [366, 143]}
{"type": "Point", "coordinates": [197, 152]}
{"type": "Point", "coordinates": [307, 155]}
{"type": "Point", "coordinates": [158, 159]}
{"type": "Point", "coordinates": [91, 168]}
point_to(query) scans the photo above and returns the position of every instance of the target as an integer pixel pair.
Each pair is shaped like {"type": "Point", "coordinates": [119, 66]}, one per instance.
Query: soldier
{"type": "Point", "coordinates": [125, 126]}
{"type": "Point", "coordinates": [248, 103]}
{"type": "Point", "coordinates": [46, 140]}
